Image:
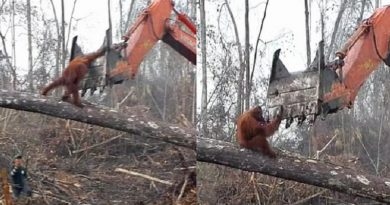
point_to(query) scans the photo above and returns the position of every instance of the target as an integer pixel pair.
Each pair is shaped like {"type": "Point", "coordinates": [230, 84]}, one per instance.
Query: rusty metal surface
{"type": "Point", "coordinates": [297, 92]}
{"type": "Point", "coordinates": [97, 76]}
{"type": "Point", "coordinates": [320, 89]}
{"type": "Point", "coordinates": [296, 81]}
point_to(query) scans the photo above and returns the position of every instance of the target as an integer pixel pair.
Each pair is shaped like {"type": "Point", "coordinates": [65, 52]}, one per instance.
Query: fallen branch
{"type": "Point", "coordinates": [305, 200]}
{"type": "Point", "coordinates": [326, 146]}
{"type": "Point", "coordinates": [295, 168]}
{"type": "Point", "coordinates": [143, 176]}
{"type": "Point", "coordinates": [101, 116]}
{"type": "Point", "coordinates": [52, 197]}
{"type": "Point", "coordinates": [97, 145]}
{"type": "Point", "coordinates": [182, 190]}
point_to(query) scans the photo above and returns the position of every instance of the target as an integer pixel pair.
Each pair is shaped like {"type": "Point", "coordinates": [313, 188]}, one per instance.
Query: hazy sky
{"type": "Point", "coordinates": [90, 20]}
{"type": "Point", "coordinates": [283, 17]}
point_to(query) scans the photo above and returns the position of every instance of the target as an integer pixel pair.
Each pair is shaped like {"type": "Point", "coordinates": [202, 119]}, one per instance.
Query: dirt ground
{"type": "Point", "coordinates": [60, 176]}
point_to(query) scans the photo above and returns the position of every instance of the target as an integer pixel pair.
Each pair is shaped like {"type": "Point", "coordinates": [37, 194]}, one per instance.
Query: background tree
{"type": "Point", "coordinates": [204, 68]}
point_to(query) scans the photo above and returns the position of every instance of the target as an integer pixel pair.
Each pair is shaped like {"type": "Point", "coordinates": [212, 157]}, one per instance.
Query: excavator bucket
{"type": "Point", "coordinates": [299, 93]}
{"type": "Point", "coordinates": [97, 76]}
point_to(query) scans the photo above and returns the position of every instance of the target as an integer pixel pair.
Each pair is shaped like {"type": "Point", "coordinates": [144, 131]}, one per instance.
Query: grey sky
{"type": "Point", "coordinates": [89, 23]}
{"type": "Point", "coordinates": [283, 16]}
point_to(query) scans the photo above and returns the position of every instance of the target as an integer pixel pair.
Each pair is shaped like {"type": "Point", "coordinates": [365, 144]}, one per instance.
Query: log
{"type": "Point", "coordinates": [295, 168]}
{"type": "Point", "coordinates": [102, 116]}
{"type": "Point", "coordinates": [143, 176]}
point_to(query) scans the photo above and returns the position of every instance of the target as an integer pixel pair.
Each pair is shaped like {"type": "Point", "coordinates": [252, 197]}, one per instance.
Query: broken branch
{"type": "Point", "coordinates": [143, 176]}
{"type": "Point", "coordinates": [97, 145]}
{"type": "Point", "coordinates": [295, 168]}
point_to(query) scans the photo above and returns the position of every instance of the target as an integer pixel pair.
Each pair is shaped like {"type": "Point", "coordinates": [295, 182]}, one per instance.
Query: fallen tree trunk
{"type": "Point", "coordinates": [101, 116]}
{"type": "Point", "coordinates": [295, 168]}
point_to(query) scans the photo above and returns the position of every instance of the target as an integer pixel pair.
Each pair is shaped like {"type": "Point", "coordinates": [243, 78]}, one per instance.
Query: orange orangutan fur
{"type": "Point", "coordinates": [253, 130]}
{"type": "Point", "coordinates": [72, 75]}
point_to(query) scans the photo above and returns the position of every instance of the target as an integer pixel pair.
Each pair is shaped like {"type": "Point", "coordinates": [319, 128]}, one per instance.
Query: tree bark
{"type": "Point", "coordinates": [126, 28]}
{"type": "Point", "coordinates": [295, 168]}
{"type": "Point", "coordinates": [111, 92]}
{"type": "Point", "coordinates": [343, 6]}
{"type": "Point", "coordinates": [194, 99]}
{"type": "Point", "coordinates": [101, 116]}
{"type": "Point", "coordinates": [70, 24]}
{"type": "Point", "coordinates": [204, 68]}
{"type": "Point", "coordinates": [11, 68]}
{"type": "Point", "coordinates": [57, 70]}
{"type": "Point", "coordinates": [308, 50]}
{"type": "Point", "coordinates": [247, 57]}
{"type": "Point", "coordinates": [322, 20]}
{"type": "Point", "coordinates": [13, 44]}
{"type": "Point", "coordinates": [29, 36]}
{"type": "Point", "coordinates": [242, 63]}
{"type": "Point", "coordinates": [361, 12]}
{"type": "Point", "coordinates": [120, 30]}
{"type": "Point", "coordinates": [63, 34]}
{"type": "Point", "coordinates": [258, 41]}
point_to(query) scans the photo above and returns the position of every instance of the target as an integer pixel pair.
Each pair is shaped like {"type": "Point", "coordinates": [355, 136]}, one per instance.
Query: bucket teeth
{"type": "Point", "coordinates": [278, 69]}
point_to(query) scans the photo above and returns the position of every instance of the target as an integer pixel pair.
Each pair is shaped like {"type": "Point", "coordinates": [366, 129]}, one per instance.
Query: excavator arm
{"type": "Point", "coordinates": [159, 21]}
{"type": "Point", "coordinates": [152, 25]}
{"type": "Point", "coordinates": [327, 88]}
{"type": "Point", "coordinates": [362, 54]}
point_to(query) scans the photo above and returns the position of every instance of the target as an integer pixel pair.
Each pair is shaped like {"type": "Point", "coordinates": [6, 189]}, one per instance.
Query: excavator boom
{"type": "Point", "coordinates": [326, 88]}
{"type": "Point", "coordinates": [152, 25]}
{"type": "Point", "coordinates": [121, 62]}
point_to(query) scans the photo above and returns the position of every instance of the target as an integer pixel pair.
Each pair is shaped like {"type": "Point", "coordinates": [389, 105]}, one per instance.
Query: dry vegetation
{"type": "Point", "coordinates": [73, 163]}
{"type": "Point", "coordinates": [248, 188]}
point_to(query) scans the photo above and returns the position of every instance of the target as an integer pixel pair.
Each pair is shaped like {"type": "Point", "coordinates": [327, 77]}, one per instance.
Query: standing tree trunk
{"type": "Point", "coordinates": [322, 10]}
{"type": "Point", "coordinates": [192, 74]}
{"type": "Point", "coordinates": [29, 35]}
{"type": "Point", "coordinates": [125, 29]}
{"type": "Point", "coordinates": [70, 25]}
{"type": "Point", "coordinates": [377, 3]}
{"type": "Point", "coordinates": [361, 12]}
{"type": "Point", "coordinates": [258, 41]}
{"type": "Point", "coordinates": [242, 63]}
{"type": "Point", "coordinates": [194, 98]}
{"type": "Point", "coordinates": [204, 68]}
{"type": "Point", "coordinates": [120, 30]}
{"type": "Point", "coordinates": [63, 34]}
{"type": "Point", "coordinates": [308, 50]}
{"type": "Point", "coordinates": [378, 156]}
{"type": "Point", "coordinates": [7, 60]}
{"type": "Point", "coordinates": [247, 56]}
{"type": "Point", "coordinates": [113, 98]}
{"type": "Point", "coordinates": [343, 6]}
{"type": "Point", "coordinates": [13, 44]}
{"type": "Point", "coordinates": [57, 69]}
{"type": "Point", "coordinates": [166, 73]}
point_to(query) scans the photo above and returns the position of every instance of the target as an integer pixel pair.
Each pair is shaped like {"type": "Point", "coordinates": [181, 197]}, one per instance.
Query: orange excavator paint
{"type": "Point", "coordinates": [361, 57]}
{"type": "Point", "coordinates": [152, 25]}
